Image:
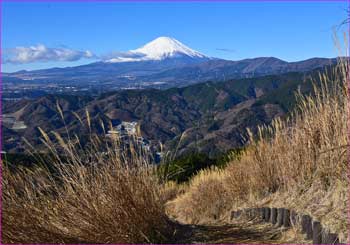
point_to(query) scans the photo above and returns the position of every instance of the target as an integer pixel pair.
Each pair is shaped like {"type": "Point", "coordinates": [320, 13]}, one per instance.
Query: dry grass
{"type": "Point", "coordinates": [99, 193]}
{"type": "Point", "coordinates": [205, 199]}
{"type": "Point", "coordinates": [299, 163]}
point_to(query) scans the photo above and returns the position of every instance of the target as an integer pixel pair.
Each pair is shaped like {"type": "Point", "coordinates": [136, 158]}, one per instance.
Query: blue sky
{"type": "Point", "coordinates": [231, 30]}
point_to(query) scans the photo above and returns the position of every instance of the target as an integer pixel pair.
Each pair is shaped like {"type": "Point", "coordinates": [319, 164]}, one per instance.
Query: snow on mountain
{"type": "Point", "coordinates": [159, 49]}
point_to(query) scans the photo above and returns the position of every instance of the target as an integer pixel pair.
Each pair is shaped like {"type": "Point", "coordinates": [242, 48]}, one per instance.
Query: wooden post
{"type": "Point", "coordinates": [256, 216]}
{"type": "Point", "coordinates": [244, 212]}
{"type": "Point", "coordinates": [293, 218]}
{"type": "Point", "coordinates": [304, 223]}
{"type": "Point", "coordinates": [329, 238]}
{"type": "Point", "coordinates": [286, 218]}
{"type": "Point", "coordinates": [247, 211]}
{"type": "Point", "coordinates": [280, 213]}
{"type": "Point", "coordinates": [261, 213]}
{"type": "Point", "coordinates": [233, 215]}
{"type": "Point", "coordinates": [251, 213]}
{"type": "Point", "coordinates": [267, 214]}
{"type": "Point", "coordinates": [316, 232]}
{"type": "Point", "coordinates": [306, 226]}
{"type": "Point", "coordinates": [254, 213]}
{"type": "Point", "coordinates": [273, 218]}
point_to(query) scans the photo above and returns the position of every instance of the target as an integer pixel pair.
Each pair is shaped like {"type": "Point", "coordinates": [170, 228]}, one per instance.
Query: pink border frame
{"type": "Point", "coordinates": [1, 1]}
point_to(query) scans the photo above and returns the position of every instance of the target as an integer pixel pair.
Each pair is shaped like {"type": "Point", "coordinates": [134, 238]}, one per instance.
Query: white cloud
{"type": "Point", "coordinates": [122, 56]}
{"type": "Point", "coordinates": [41, 53]}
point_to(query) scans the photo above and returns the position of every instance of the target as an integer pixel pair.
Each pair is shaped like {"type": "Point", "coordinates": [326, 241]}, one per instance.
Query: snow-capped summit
{"type": "Point", "coordinates": [159, 49]}
{"type": "Point", "coordinates": [164, 47]}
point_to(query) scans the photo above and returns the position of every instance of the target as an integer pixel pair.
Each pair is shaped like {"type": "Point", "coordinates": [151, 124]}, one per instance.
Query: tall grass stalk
{"type": "Point", "coordinates": [102, 192]}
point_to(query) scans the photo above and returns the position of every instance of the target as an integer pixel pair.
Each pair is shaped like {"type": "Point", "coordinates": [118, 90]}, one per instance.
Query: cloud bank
{"type": "Point", "coordinates": [41, 53]}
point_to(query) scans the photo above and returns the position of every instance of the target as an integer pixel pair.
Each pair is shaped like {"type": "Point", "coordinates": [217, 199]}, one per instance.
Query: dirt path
{"type": "Point", "coordinates": [237, 233]}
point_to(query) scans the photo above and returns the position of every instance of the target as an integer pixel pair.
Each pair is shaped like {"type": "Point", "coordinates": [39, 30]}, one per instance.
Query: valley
{"type": "Point", "coordinates": [209, 117]}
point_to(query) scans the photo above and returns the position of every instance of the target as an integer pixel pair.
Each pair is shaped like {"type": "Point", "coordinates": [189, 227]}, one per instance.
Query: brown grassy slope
{"type": "Point", "coordinates": [301, 163]}
{"type": "Point", "coordinates": [99, 197]}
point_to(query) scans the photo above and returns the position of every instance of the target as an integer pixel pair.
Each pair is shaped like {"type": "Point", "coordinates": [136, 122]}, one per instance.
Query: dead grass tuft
{"type": "Point", "coordinates": [99, 193]}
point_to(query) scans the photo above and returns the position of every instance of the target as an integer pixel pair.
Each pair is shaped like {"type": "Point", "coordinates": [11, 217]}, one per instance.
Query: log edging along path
{"type": "Point", "coordinates": [282, 217]}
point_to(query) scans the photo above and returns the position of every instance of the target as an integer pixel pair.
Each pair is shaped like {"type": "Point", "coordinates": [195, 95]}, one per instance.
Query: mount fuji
{"type": "Point", "coordinates": [159, 49]}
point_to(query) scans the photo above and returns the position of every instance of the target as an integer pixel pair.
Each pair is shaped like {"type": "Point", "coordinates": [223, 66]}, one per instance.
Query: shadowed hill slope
{"type": "Point", "coordinates": [212, 117]}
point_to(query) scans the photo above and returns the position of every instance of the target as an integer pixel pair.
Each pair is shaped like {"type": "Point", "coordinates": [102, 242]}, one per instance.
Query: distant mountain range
{"type": "Point", "coordinates": [163, 63]}
{"type": "Point", "coordinates": [212, 116]}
